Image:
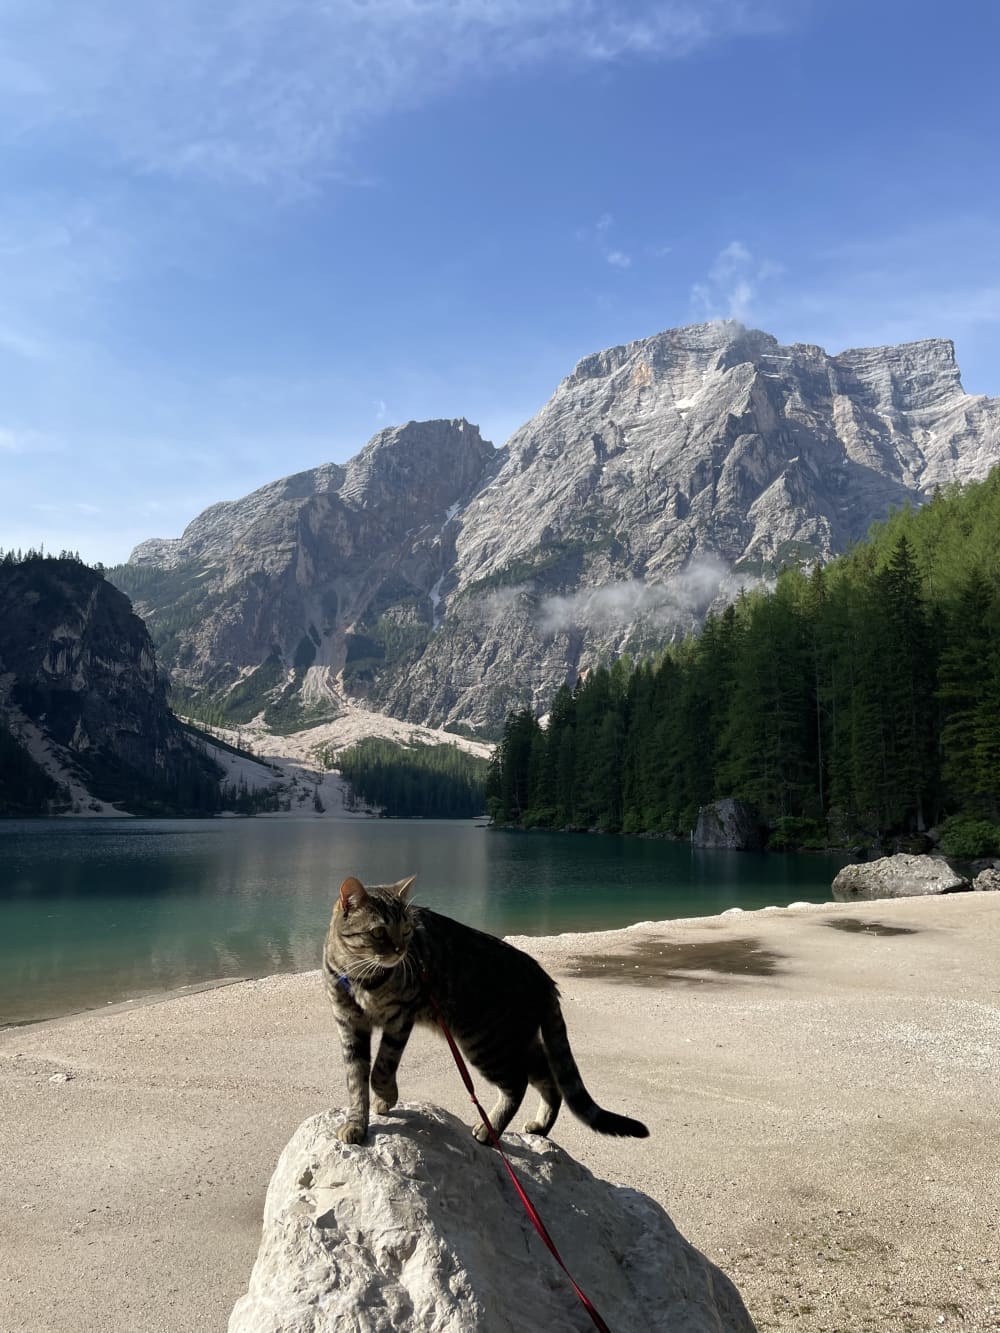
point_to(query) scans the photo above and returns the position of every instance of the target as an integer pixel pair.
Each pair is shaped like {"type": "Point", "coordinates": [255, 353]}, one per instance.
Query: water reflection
{"type": "Point", "coordinates": [95, 912]}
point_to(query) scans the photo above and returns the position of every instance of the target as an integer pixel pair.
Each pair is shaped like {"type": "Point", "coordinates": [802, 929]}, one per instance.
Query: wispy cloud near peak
{"type": "Point", "coordinates": [733, 284]}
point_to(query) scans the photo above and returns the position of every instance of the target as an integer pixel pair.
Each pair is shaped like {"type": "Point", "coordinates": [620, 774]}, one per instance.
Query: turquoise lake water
{"type": "Point", "coordinates": [97, 911]}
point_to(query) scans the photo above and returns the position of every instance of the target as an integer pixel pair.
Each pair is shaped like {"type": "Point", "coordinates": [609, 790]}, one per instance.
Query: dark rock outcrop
{"type": "Point", "coordinates": [82, 699]}
{"type": "Point", "coordinates": [729, 824]}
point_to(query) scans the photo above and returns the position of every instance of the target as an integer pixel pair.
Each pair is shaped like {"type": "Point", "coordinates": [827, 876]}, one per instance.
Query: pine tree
{"type": "Point", "coordinates": [969, 691]}
{"type": "Point", "coordinates": [909, 670]}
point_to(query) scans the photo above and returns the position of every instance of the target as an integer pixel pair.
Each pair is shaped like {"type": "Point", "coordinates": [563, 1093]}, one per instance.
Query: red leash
{"type": "Point", "coordinates": [529, 1207]}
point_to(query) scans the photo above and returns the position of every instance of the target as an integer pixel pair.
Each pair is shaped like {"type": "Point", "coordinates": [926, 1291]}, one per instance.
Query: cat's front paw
{"type": "Point", "coordinates": [386, 1096]}
{"type": "Point", "coordinates": [352, 1131]}
{"type": "Point", "coordinates": [535, 1127]}
{"type": "Point", "coordinates": [480, 1132]}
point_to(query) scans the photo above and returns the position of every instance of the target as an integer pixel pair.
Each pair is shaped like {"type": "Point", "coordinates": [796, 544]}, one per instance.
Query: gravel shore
{"type": "Point", "coordinates": [822, 1086]}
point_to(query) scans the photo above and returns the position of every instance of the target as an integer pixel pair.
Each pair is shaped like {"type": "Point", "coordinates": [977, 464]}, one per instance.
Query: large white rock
{"type": "Point", "coordinates": [420, 1231]}
{"type": "Point", "coordinates": [899, 876]}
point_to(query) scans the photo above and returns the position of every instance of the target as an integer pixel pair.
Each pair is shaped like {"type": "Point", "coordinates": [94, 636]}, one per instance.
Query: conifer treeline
{"type": "Point", "coordinates": [19, 557]}
{"type": "Point", "coordinates": [425, 781]}
{"type": "Point", "coordinates": [858, 700]}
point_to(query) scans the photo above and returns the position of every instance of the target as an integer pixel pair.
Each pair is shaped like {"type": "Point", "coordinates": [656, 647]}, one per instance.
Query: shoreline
{"type": "Point", "coordinates": [125, 1006]}
{"type": "Point", "coordinates": [210, 983]}
{"type": "Point", "coordinates": [822, 1103]}
{"type": "Point", "coordinates": [207, 983]}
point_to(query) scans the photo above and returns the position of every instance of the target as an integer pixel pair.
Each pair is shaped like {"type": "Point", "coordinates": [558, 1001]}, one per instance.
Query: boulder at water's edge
{"type": "Point", "coordinates": [899, 876]}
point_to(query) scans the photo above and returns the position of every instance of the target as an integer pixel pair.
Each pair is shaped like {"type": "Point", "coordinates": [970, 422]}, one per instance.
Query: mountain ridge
{"type": "Point", "coordinates": [444, 581]}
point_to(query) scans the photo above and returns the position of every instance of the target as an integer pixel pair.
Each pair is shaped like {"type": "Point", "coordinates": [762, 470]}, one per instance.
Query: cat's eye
{"type": "Point", "coordinates": [380, 935]}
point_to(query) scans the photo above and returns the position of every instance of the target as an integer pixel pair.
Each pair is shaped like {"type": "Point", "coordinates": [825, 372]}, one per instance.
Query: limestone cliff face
{"type": "Point", "coordinates": [311, 586]}
{"type": "Point", "coordinates": [447, 582]}
{"type": "Point", "coordinates": [716, 439]}
{"type": "Point", "coordinates": [661, 474]}
{"type": "Point", "coordinates": [82, 696]}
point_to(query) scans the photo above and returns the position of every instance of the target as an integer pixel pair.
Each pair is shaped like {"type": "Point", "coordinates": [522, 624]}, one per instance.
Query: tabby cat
{"type": "Point", "coordinates": [382, 959]}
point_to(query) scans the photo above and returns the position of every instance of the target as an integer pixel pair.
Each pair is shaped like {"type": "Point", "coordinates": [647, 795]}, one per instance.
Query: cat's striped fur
{"type": "Point", "coordinates": [502, 1008]}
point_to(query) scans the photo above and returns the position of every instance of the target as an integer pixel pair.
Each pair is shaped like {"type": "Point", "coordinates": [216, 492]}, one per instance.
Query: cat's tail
{"type": "Point", "coordinates": [567, 1075]}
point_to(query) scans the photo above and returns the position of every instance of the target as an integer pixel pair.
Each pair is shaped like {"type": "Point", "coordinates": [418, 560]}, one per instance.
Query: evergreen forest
{"type": "Point", "coordinates": [19, 557]}
{"type": "Point", "coordinates": [414, 781]}
{"type": "Point", "coordinates": [851, 704]}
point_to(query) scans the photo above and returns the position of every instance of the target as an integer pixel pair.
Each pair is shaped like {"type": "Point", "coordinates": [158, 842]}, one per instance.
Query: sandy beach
{"type": "Point", "coordinates": [822, 1086]}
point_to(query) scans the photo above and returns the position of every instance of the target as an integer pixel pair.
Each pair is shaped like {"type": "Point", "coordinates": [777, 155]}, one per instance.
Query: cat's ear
{"type": "Point", "coordinates": [402, 887]}
{"type": "Point", "coordinates": [352, 894]}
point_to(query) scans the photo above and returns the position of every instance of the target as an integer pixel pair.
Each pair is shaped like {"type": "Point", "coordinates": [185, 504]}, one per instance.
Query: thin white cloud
{"type": "Point", "coordinates": [21, 344]}
{"type": "Point", "coordinates": [17, 440]}
{"type": "Point", "coordinates": [731, 260]}
{"type": "Point", "coordinates": [71, 508]}
{"type": "Point", "coordinates": [273, 91]}
{"type": "Point", "coordinates": [59, 255]}
{"type": "Point", "coordinates": [733, 284]}
{"type": "Point", "coordinates": [596, 237]}
{"type": "Point", "coordinates": [688, 592]}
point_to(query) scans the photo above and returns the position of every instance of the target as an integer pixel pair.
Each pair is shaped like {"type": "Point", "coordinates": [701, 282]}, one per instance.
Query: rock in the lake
{"type": "Point", "coordinates": [987, 881]}
{"type": "Point", "coordinates": [729, 824]}
{"type": "Point", "coordinates": [420, 1231]}
{"type": "Point", "coordinates": [900, 876]}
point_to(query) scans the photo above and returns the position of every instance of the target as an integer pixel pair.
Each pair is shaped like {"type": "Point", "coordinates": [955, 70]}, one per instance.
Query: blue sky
{"type": "Point", "coordinates": [238, 238]}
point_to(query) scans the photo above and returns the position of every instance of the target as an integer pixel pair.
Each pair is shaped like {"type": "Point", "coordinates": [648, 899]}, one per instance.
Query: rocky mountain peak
{"type": "Point", "coordinates": [908, 378]}
{"type": "Point", "coordinates": [412, 471]}
{"type": "Point", "coordinates": [696, 347]}
{"type": "Point", "coordinates": [421, 464]}
{"type": "Point", "coordinates": [446, 581]}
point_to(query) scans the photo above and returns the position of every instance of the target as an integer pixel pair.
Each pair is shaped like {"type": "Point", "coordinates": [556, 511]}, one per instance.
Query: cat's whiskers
{"type": "Point", "coordinates": [366, 970]}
